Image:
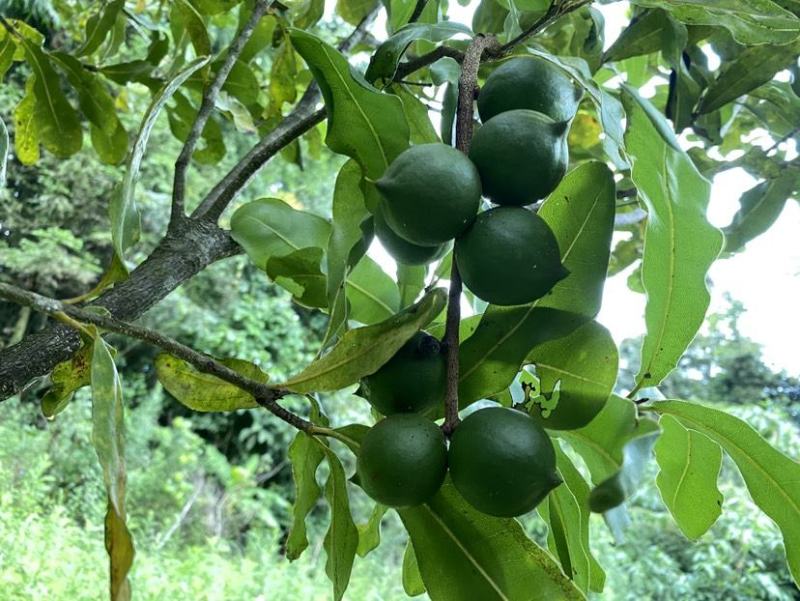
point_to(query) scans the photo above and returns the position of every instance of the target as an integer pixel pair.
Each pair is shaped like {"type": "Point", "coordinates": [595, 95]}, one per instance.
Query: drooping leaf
{"type": "Point", "coordinates": [109, 137]}
{"type": "Point", "coordinates": [108, 438]}
{"type": "Point", "coordinates": [369, 533]}
{"type": "Point", "coordinates": [26, 134]}
{"type": "Point", "coordinates": [57, 124]}
{"type": "Point", "coordinates": [465, 554]}
{"type": "Point", "coordinates": [412, 579]}
{"type": "Point", "coordinates": [299, 273]}
{"type": "Point", "coordinates": [184, 19]}
{"type": "Point", "coordinates": [341, 540]}
{"type": "Point", "coordinates": [760, 207]}
{"type": "Point", "coordinates": [581, 214]}
{"type": "Point", "coordinates": [383, 64]}
{"type": "Point", "coordinates": [753, 67]}
{"type": "Point", "coordinates": [372, 293]}
{"type": "Point", "coordinates": [305, 455]}
{"type": "Point", "coordinates": [269, 227]}
{"type": "Point", "coordinates": [99, 25]}
{"type": "Point", "coordinates": [125, 224]}
{"type": "Point", "coordinates": [680, 244]}
{"type": "Point", "coordinates": [579, 372]}
{"type": "Point", "coordinates": [751, 22]}
{"type": "Point", "coordinates": [689, 463]}
{"type": "Point", "coordinates": [772, 478]}
{"type": "Point", "coordinates": [67, 377]}
{"type": "Point", "coordinates": [363, 124]}
{"type": "Point", "coordinates": [361, 351]}
{"type": "Point", "coordinates": [203, 392]}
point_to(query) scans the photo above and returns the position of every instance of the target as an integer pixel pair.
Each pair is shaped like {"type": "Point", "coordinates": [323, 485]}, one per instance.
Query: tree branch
{"type": "Point", "coordinates": [265, 395]}
{"type": "Point", "coordinates": [418, 8]}
{"type": "Point", "coordinates": [206, 108]}
{"type": "Point", "coordinates": [558, 8]}
{"type": "Point", "coordinates": [467, 84]}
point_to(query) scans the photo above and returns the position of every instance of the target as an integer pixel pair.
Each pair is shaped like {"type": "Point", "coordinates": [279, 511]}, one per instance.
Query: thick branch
{"type": "Point", "coordinates": [265, 395]}
{"type": "Point", "coordinates": [467, 85]}
{"type": "Point", "coordinates": [206, 108]}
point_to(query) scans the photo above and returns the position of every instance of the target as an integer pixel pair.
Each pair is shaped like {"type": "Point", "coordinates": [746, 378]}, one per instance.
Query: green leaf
{"type": "Point", "coordinates": [341, 540]}
{"type": "Point", "coordinates": [282, 78]}
{"type": "Point", "coordinates": [751, 68]}
{"type": "Point", "coordinates": [241, 83]}
{"type": "Point", "coordinates": [305, 455]}
{"type": "Point", "coordinates": [299, 273]}
{"type": "Point", "coordinates": [108, 438]}
{"type": "Point", "coordinates": [751, 22]}
{"type": "Point", "coordinates": [203, 392]}
{"type": "Point", "coordinates": [184, 19]}
{"type": "Point", "coordinates": [181, 119]}
{"type": "Point", "coordinates": [214, 7]}
{"type": "Point", "coordinates": [579, 370]}
{"type": "Point", "coordinates": [760, 207]}
{"type": "Point", "coordinates": [383, 64]}
{"type": "Point", "coordinates": [419, 122]}
{"type": "Point", "coordinates": [772, 478]}
{"type": "Point", "coordinates": [412, 579]}
{"type": "Point", "coordinates": [67, 377]}
{"type": "Point", "coordinates": [3, 152]}
{"type": "Point", "coordinates": [581, 214]}
{"type": "Point", "coordinates": [613, 491]}
{"type": "Point", "coordinates": [680, 244]}
{"type": "Point", "coordinates": [26, 133]}
{"type": "Point", "coordinates": [410, 281]}
{"type": "Point", "coordinates": [269, 227]}
{"type": "Point", "coordinates": [109, 137]}
{"type": "Point", "coordinates": [465, 554]}
{"type": "Point", "coordinates": [8, 49]}
{"type": "Point", "coordinates": [363, 124]}
{"type": "Point", "coordinates": [362, 351]}
{"type": "Point", "coordinates": [372, 293]}
{"type": "Point", "coordinates": [689, 463]}
{"type": "Point", "coordinates": [125, 223]}
{"type": "Point", "coordinates": [643, 35]}
{"type": "Point", "coordinates": [98, 26]}
{"type": "Point", "coordinates": [369, 533]}
{"type": "Point", "coordinates": [354, 11]}
{"type": "Point", "coordinates": [57, 124]}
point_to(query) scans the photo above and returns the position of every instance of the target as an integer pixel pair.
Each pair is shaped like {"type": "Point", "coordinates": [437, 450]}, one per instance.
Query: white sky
{"type": "Point", "coordinates": [765, 277]}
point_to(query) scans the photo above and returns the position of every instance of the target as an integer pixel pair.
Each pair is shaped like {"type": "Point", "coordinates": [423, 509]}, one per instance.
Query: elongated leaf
{"type": "Point", "coordinates": [383, 64]}
{"type": "Point", "coordinates": [412, 579]}
{"type": "Point", "coordinates": [581, 214]}
{"type": "Point", "coordinates": [369, 533]}
{"type": "Point", "coordinates": [464, 554]}
{"type": "Point", "coordinates": [98, 26]}
{"type": "Point", "coordinates": [772, 478]}
{"type": "Point", "coordinates": [269, 227]}
{"type": "Point", "coordinates": [305, 455]}
{"type": "Point", "coordinates": [124, 215]}
{"type": "Point", "coordinates": [26, 134]}
{"type": "Point", "coordinates": [299, 273]}
{"type": "Point", "coordinates": [341, 541]}
{"type": "Point", "coordinates": [372, 293]}
{"type": "Point", "coordinates": [8, 48]}
{"type": "Point", "coordinates": [760, 207]}
{"type": "Point", "coordinates": [419, 122]}
{"type": "Point", "coordinates": [57, 124]}
{"type": "Point", "coordinates": [362, 351]}
{"type": "Point", "coordinates": [643, 35]}
{"type": "Point", "coordinates": [3, 152]}
{"type": "Point", "coordinates": [751, 22]}
{"type": "Point", "coordinates": [411, 282]}
{"type": "Point", "coordinates": [751, 68]}
{"type": "Point", "coordinates": [108, 134]}
{"type": "Point", "coordinates": [680, 244]}
{"type": "Point", "coordinates": [184, 19]}
{"type": "Point", "coordinates": [363, 124]}
{"type": "Point", "coordinates": [689, 464]}
{"type": "Point", "coordinates": [108, 437]}
{"type": "Point", "coordinates": [578, 372]}
{"type": "Point", "coordinates": [203, 392]}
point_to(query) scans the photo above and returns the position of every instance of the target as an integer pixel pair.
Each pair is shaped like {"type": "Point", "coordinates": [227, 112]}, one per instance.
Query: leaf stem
{"type": "Point", "coordinates": [265, 395]}
{"type": "Point", "coordinates": [467, 85]}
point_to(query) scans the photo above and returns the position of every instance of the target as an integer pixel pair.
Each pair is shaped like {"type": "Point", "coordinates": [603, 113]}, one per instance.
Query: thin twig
{"type": "Point", "coordinates": [557, 9]}
{"type": "Point", "coordinates": [266, 396]}
{"type": "Point", "coordinates": [206, 108]}
{"type": "Point", "coordinates": [418, 8]}
{"type": "Point", "coordinates": [467, 84]}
